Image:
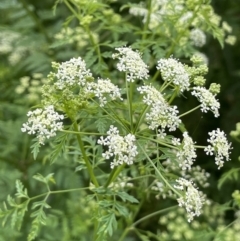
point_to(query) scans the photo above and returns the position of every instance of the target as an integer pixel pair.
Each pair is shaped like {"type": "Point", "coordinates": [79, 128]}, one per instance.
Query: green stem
{"type": "Point", "coordinates": [148, 20]}
{"type": "Point", "coordinates": [155, 75]}
{"type": "Point", "coordinates": [173, 96]}
{"type": "Point", "coordinates": [88, 164]}
{"type": "Point", "coordinates": [94, 44]}
{"type": "Point", "coordinates": [156, 141]}
{"type": "Point", "coordinates": [165, 85]}
{"type": "Point", "coordinates": [140, 120]}
{"type": "Point", "coordinates": [143, 219]}
{"type": "Point", "coordinates": [158, 172]}
{"type": "Point", "coordinates": [113, 175]}
{"type": "Point", "coordinates": [129, 99]}
{"type": "Point", "coordinates": [57, 192]}
{"type": "Point", "coordinates": [86, 28]}
{"type": "Point", "coordinates": [189, 111]}
{"type": "Point", "coordinates": [200, 147]}
{"type": "Point", "coordinates": [84, 133]}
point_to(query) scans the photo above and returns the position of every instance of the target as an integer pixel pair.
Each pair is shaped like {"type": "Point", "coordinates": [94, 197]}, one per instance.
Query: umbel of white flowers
{"type": "Point", "coordinates": [160, 115]}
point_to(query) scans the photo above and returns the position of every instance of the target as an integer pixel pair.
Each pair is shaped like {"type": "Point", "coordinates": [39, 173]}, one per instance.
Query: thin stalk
{"type": "Point", "coordinates": [159, 173]}
{"type": "Point", "coordinates": [164, 86]}
{"type": "Point", "coordinates": [153, 140]}
{"type": "Point", "coordinates": [188, 112]}
{"type": "Point", "coordinates": [140, 120]}
{"type": "Point", "coordinates": [148, 20]}
{"type": "Point", "coordinates": [173, 96]}
{"type": "Point", "coordinates": [57, 192]}
{"type": "Point", "coordinates": [86, 28]}
{"type": "Point", "coordinates": [143, 219]}
{"type": "Point", "coordinates": [88, 164]}
{"type": "Point", "coordinates": [84, 133]}
{"type": "Point", "coordinates": [129, 99]}
{"type": "Point", "coordinates": [155, 75]}
{"type": "Point", "coordinates": [113, 175]}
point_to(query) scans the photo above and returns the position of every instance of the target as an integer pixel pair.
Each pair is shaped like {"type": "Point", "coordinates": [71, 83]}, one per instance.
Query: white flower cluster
{"type": "Point", "coordinates": [192, 200]}
{"type": "Point", "coordinates": [131, 63]}
{"type": "Point", "coordinates": [162, 190]}
{"type": "Point", "coordinates": [198, 37]}
{"type": "Point", "coordinates": [219, 147]}
{"type": "Point", "coordinates": [161, 114]}
{"type": "Point", "coordinates": [207, 99]}
{"type": "Point", "coordinates": [198, 175]}
{"type": "Point", "coordinates": [187, 153]}
{"type": "Point", "coordinates": [104, 87]}
{"type": "Point", "coordinates": [71, 73]}
{"type": "Point", "coordinates": [174, 71]}
{"type": "Point", "coordinates": [43, 122]}
{"type": "Point", "coordinates": [160, 9]}
{"type": "Point", "coordinates": [121, 183]}
{"type": "Point", "coordinates": [123, 149]}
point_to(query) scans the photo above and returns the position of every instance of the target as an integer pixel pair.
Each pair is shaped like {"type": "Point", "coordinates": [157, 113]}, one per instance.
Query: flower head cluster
{"type": "Point", "coordinates": [162, 190]}
{"type": "Point", "coordinates": [43, 122]}
{"type": "Point", "coordinates": [72, 73]}
{"type": "Point", "coordinates": [103, 87]}
{"type": "Point", "coordinates": [198, 37]}
{"type": "Point", "coordinates": [207, 99]}
{"type": "Point", "coordinates": [161, 114]}
{"type": "Point", "coordinates": [219, 146]}
{"type": "Point", "coordinates": [174, 71]}
{"type": "Point", "coordinates": [131, 63]}
{"type": "Point", "coordinates": [187, 152]}
{"type": "Point", "coordinates": [123, 149]}
{"type": "Point", "coordinates": [192, 200]}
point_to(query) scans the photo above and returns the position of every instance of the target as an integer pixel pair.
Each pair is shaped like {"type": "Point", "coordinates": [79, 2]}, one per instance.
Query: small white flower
{"type": "Point", "coordinates": [161, 114]}
{"type": "Point", "coordinates": [43, 122]}
{"type": "Point", "coordinates": [187, 153]}
{"type": "Point", "coordinates": [219, 146]}
{"type": "Point", "coordinates": [207, 99]}
{"type": "Point", "coordinates": [123, 149]}
{"type": "Point", "coordinates": [176, 141]}
{"type": "Point", "coordinates": [192, 200]}
{"type": "Point", "coordinates": [174, 71]}
{"type": "Point", "coordinates": [131, 63]}
{"type": "Point", "coordinates": [103, 89]}
{"type": "Point", "coordinates": [198, 37]}
{"type": "Point", "coordinates": [72, 73]}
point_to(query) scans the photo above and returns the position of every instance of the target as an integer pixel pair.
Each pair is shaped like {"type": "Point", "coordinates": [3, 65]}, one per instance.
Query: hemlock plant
{"type": "Point", "coordinates": [111, 113]}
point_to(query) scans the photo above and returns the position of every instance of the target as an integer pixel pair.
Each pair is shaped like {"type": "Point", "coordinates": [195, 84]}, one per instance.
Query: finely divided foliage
{"type": "Point", "coordinates": [113, 121]}
{"type": "Point", "coordinates": [158, 115]}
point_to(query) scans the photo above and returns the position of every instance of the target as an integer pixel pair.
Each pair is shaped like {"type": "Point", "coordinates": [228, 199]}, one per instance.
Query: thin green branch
{"type": "Point", "coordinates": [158, 172]}
{"type": "Point", "coordinates": [188, 112]}
{"type": "Point", "coordinates": [88, 164]}
{"type": "Point", "coordinates": [143, 219]}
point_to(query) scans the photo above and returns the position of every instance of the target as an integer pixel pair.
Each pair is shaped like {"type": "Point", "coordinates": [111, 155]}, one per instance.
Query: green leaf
{"type": "Point", "coordinates": [43, 179]}
{"type": "Point", "coordinates": [121, 209]}
{"type": "Point", "coordinates": [101, 125]}
{"type": "Point", "coordinates": [108, 224]}
{"type": "Point", "coordinates": [117, 44]}
{"type": "Point", "coordinates": [59, 148]}
{"type": "Point", "coordinates": [126, 197]}
{"type": "Point", "coordinates": [21, 191]}
{"type": "Point", "coordinates": [35, 148]}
